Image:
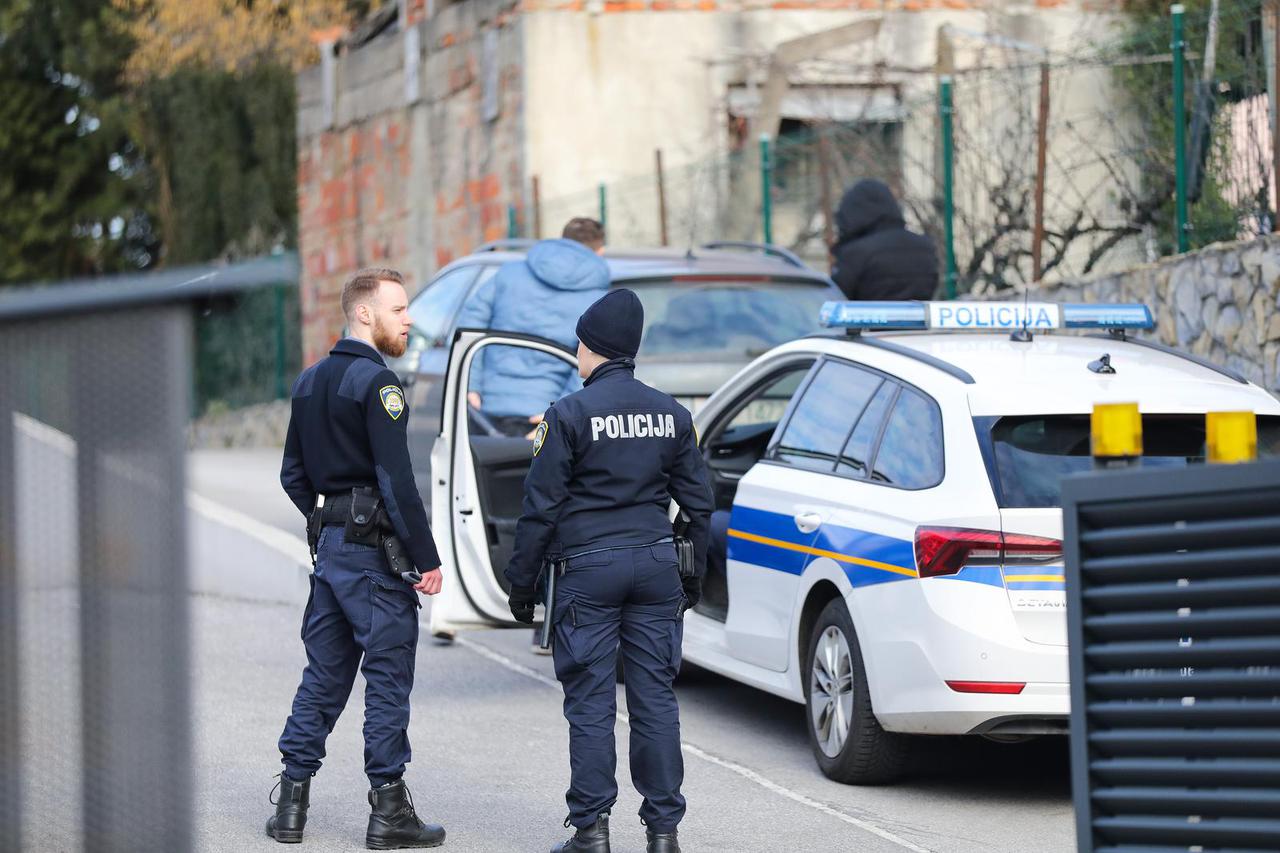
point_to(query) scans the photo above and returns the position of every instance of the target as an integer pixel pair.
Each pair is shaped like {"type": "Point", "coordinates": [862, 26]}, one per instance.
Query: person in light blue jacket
{"type": "Point", "coordinates": [542, 295]}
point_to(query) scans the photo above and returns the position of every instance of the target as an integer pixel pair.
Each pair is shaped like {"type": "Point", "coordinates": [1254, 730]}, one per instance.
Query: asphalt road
{"type": "Point", "coordinates": [490, 748]}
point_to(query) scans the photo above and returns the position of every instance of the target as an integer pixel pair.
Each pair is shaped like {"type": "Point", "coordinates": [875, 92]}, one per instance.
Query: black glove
{"type": "Point", "coordinates": [521, 601]}
{"type": "Point", "coordinates": [692, 587]}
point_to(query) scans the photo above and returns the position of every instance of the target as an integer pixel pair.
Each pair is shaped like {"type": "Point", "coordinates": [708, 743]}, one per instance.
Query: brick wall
{"type": "Point", "coordinates": [406, 168]}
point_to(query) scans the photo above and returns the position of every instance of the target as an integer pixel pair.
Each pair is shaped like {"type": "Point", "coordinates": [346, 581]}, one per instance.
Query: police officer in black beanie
{"type": "Point", "coordinates": [607, 461]}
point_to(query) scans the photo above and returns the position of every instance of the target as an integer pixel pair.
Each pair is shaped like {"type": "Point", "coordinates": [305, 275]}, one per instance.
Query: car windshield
{"type": "Point", "coordinates": [725, 319]}
{"type": "Point", "coordinates": [1033, 453]}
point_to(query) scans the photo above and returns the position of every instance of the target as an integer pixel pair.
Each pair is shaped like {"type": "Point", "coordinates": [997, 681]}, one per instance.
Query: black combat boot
{"type": "Point", "coordinates": [589, 839]}
{"type": "Point", "coordinates": [662, 842]}
{"type": "Point", "coordinates": [394, 824]}
{"type": "Point", "coordinates": [290, 819]}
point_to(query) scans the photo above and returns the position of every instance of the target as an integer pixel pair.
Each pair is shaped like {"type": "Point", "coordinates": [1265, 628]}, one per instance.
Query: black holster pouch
{"type": "Point", "coordinates": [315, 521]}
{"type": "Point", "coordinates": [684, 547]}
{"type": "Point", "coordinates": [397, 557]}
{"type": "Point", "coordinates": [684, 554]}
{"type": "Point", "coordinates": [361, 525]}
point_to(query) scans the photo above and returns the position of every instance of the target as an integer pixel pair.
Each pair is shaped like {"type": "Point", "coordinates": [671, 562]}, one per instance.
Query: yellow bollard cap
{"type": "Point", "coordinates": [1117, 430]}
{"type": "Point", "coordinates": [1231, 436]}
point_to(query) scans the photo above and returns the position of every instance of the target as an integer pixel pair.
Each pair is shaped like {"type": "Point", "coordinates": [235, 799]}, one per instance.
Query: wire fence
{"type": "Point", "coordinates": [1099, 195]}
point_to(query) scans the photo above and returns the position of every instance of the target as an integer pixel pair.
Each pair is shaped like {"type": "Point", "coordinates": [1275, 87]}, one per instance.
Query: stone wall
{"type": "Point", "coordinates": [263, 425]}
{"type": "Point", "coordinates": [1222, 302]}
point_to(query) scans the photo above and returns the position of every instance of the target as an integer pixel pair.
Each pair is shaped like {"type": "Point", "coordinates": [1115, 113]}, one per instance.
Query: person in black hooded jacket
{"type": "Point", "coordinates": [875, 256]}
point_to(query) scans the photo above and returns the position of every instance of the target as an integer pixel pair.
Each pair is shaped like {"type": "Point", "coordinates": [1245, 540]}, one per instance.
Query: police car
{"type": "Point", "coordinates": [889, 515]}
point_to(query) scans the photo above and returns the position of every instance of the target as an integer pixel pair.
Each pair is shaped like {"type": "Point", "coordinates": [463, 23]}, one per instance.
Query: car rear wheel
{"type": "Point", "coordinates": [847, 740]}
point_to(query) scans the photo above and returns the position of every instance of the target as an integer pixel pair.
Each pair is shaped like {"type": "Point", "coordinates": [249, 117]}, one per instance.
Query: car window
{"type": "Point", "coordinates": [767, 404]}
{"type": "Point", "coordinates": [711, 320]}
{"type": "Point", "coordinates": [910, 453]}
{"type": "Point", "coordinates": [816, 431]}
{"type": "Point", "coordinates": [433, 310]}
{"type": "Point", "coordinates": [856, 455]}
{"type": "Point", "coordinates": [1033, 453]}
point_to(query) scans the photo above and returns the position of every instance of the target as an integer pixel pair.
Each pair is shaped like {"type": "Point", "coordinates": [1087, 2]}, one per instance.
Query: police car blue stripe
{"type": "Point", "coordinates": [989, 575]}
{"type": "Point", "coordinates": [862, 544]}
{"type": "Point", "coordinates": [841, 540]}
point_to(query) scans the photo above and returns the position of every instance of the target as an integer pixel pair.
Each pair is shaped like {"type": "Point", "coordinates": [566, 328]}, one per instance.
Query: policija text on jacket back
{"type": "Point", "coordinates": [346, 467]}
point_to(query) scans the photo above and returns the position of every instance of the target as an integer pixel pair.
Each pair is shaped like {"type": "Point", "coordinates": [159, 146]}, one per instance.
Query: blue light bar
{"type": "Point", "coordinates": [875, 315]}
{"type": "Point", "coordinates": [1102, 316]}
{"type": "Point", "coordinates": [976, 316]}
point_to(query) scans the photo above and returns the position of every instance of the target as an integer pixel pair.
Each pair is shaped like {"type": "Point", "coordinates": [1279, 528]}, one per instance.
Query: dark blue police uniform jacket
{"type": "Point", "coordinates": [607, 460]}
{"type": "Point", "coordinates": [348, 429]}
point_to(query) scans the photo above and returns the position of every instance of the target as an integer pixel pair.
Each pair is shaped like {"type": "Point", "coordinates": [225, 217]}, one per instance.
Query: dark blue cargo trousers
{"type": "Point", "coordinates": [628, 598]}
{"type": "Point", "coordinates": [358, 617]}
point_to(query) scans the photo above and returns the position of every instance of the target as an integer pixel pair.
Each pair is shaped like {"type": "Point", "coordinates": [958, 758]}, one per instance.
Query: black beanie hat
{"type": "Point", "coordinates": [611, 327]}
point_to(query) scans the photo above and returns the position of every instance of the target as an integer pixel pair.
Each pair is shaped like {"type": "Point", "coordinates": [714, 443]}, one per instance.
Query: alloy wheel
{"type": "Point", "coordinates": [831, 691]}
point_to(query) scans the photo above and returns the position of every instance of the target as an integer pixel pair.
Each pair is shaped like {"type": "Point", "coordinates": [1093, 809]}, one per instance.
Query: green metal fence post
{"type": "Point", "coordinates": [766, 188]}
{"type": "Point", "coordinates": [1179, 129]}
{"type": "Point", "coordinates": [604, 208]}
{"type": "Point", "coordinates": [513, 230]}
{"type": "Point", "coordinates": [281, 390]}
{"type": "Point", "coordinates": [945, 111]}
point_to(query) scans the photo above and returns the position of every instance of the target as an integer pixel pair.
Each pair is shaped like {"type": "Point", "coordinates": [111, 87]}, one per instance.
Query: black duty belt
{"type": "Point", "coordinates": [336, 508]}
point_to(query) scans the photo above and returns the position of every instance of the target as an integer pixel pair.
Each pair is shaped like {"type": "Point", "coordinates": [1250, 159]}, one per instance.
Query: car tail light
{"type": "Point", "coordinates": [1001, 687]}
{"type": "Point", "coordinates": [946, 550]}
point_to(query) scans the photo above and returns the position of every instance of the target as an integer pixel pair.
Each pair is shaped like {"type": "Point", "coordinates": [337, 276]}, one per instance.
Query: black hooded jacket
{"type": "Point", "coordinates": [876, 257]}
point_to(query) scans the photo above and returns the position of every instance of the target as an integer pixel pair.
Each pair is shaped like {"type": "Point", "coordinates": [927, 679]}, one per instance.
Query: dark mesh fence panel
{"type": "Point", "coordinates": [94, 723]}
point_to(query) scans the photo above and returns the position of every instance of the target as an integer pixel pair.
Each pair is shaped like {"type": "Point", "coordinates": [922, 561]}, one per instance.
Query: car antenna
{"type": "Point", "coordinates": [1102, 365]}
{"type": "Point", "coordinates": [1023, 335]}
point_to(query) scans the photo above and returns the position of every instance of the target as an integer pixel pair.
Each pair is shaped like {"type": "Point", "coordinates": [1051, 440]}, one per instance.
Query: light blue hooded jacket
{"type": "Point", "coordinates": [542, 295]}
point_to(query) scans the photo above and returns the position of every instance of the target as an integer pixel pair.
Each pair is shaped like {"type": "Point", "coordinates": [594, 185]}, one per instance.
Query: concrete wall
{"type": "Point", "coordinates": [400, 164]}
{"type": "Point", "coordinates": [1222, 302]}
{"type": "Point", "coordinates": [608, 82]}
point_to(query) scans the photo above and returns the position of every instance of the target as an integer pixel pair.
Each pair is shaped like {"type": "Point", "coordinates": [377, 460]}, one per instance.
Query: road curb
{"type": "Point", "coordinates": [234, 555]}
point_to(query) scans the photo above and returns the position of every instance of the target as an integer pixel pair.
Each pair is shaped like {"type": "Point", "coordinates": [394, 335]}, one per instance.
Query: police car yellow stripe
{"type": "Point", "coordinates": [1033, 578]}
{"type": "Point", "coordinates": [818, 552]}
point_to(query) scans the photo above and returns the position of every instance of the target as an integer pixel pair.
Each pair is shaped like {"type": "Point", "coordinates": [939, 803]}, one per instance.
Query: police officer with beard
{"type": "Point", "coordinates": [607, 461]}
{"type": "Point", "coordinates": [347, 444]}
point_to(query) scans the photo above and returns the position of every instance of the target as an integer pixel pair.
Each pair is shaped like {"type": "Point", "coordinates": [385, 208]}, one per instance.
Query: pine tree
{"type": "Point", "coordinates": [73, 188]}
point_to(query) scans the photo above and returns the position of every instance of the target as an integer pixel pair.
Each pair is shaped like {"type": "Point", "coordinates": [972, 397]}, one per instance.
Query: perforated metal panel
{"type": "Point", "coordinates": [93, 590]}
{"type": "Point", "coordinates": [1173, 594]}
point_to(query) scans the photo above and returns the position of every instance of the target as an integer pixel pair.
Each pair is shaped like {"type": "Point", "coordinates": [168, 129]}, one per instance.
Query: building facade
{"type": "Point", "coordinates": [421, 133]}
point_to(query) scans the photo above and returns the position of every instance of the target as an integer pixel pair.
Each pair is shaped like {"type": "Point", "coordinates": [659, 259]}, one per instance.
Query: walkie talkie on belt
{"type": "Point", "coordinates": [684, 546]}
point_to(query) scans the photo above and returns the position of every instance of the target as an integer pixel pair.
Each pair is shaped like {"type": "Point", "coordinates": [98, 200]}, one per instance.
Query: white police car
{"type": "Point", "coordinates": [888, 508]}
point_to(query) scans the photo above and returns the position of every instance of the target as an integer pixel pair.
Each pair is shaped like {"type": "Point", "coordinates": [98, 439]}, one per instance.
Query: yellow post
{"type": "Point", "coordinates": [1116, 431]}
{"type": "Point", "coordinates": [1231, 436]}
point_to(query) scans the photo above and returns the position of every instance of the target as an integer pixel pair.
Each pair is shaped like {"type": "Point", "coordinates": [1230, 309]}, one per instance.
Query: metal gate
{"type": "Point", "coordinates": [95, 718]}
{"type": "Point", "coordinates": [1173, 595]}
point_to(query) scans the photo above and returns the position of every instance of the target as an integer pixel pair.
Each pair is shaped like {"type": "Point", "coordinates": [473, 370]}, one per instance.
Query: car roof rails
{"type": "Point", "coordinates": [766, 248]}
{"type": "Point", "coordinates": [509, 244]}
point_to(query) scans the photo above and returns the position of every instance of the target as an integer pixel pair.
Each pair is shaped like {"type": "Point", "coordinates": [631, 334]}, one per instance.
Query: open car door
{"type": "Point", "coordinates": [477, 482]}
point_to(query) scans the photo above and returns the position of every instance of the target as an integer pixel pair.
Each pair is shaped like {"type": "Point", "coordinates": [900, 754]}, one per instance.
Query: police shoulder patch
{"type": "Point", "coordinates": [539, 436]}
{"type": "Point", "coordinates": [392, 400]}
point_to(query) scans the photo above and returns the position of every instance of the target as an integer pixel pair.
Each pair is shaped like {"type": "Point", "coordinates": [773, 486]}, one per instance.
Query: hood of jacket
{"type": "Point", "coordinates": [567, 265]}
{"type": "Point", "coordinates": [867, 206]}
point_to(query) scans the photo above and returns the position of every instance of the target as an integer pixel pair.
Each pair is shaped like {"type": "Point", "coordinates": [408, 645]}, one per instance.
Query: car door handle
{"type": "Point", "coordinates": [808, 522]}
